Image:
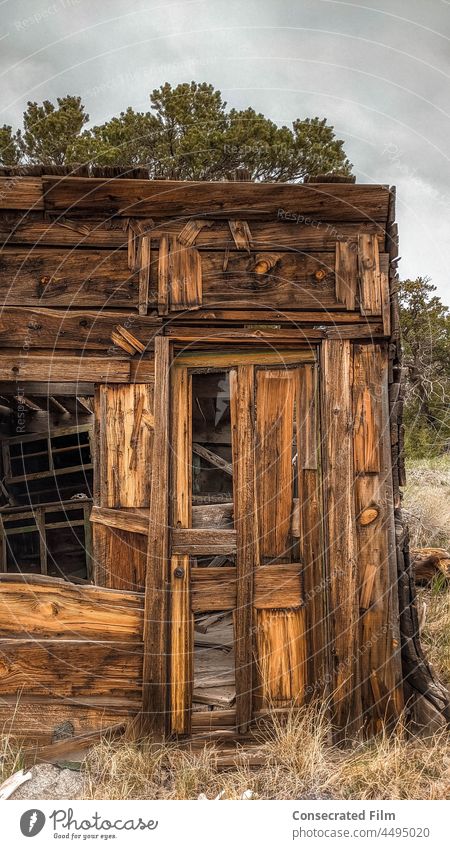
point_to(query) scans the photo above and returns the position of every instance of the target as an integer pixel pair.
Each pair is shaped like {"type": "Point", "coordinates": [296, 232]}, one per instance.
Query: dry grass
{"type": "Point", "coordinates": [427, 502]}
{"type": "Point", "coordinates": [300, 762]}
{"type": "Point", "coordinates": [427, 510]}
{"type": "Point", "coordinates": [436, 631]}
{"type": "Point", "coordinates": [394, 767]}
{"type": "Point", "coordinates": [11, 757]}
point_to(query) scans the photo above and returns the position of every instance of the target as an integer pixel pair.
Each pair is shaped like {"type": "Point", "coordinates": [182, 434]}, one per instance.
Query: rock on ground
{"type": "Point", "coordinates": [51, 782]}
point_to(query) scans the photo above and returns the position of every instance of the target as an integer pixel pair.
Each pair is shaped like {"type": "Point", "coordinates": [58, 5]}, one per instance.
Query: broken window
{"type": "Point", "coordinates": [46, 480]}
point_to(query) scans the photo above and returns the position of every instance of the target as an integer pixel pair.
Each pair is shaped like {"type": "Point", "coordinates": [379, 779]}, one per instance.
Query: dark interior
{"type": "Point", "coordinates": [46, 479]}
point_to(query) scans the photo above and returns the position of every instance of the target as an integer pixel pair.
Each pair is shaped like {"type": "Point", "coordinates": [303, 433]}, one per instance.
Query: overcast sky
{"type": "Point", "coordinates": [377, 69]}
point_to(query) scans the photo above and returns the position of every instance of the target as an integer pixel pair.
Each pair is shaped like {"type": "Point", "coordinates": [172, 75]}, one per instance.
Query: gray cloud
{"type": "Point", "coordinates": [379, 73]}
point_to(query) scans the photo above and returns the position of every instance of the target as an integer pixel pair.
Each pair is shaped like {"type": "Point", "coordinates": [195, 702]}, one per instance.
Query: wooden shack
{"type": "Point", "coordinates": [200, 418]}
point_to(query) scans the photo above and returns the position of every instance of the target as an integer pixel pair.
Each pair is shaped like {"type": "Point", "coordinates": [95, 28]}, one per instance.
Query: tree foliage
{"type": "Point", "coordinates": [425, 324]}
{"type": "Point", "coordinates": [49, 131]}
{"type": "Point", "coordinates": [9, 151]}
{"type": "Point", "coordinates": [188, 133]}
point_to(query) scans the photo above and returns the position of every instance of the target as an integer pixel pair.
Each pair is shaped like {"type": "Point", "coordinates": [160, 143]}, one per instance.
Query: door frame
{"type": "Point", "coordinates": [243, 540]}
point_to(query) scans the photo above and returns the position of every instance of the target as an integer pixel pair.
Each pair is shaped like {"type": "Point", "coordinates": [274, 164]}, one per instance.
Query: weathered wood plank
{"type": "Point", "coordinates": [337, 413]}
{"type": "Point", "coordinates": [57, 277]}
{"type": "Point", "coordinates": [307, 417]}
{"type": "Point", "coordinates": [373, 507]}
{"type": "Point", "coordinates": [213, 588]}
{"type": "Point", "coordinates": [275, 394]}
{"type": "Point", "coordinates": [278, 586]}
{"type": "Point", "coordinates": [292, 278]}
{"type": "Point", "coordinates": [18, 366]}
{"type": "Point", "coordinates": [120, 557]}
{"type": "Point", "coordinates": [155, 690]}
{"type": "Point", "coordinates": [249, 335]}
{"type": "Point", "coordinates": [162, 289]}
{"type": "Point", "coordinates": [144, 274]}
{"type": "Point", "coordinates": [135, 521]}
{"type": "Point", "coordinates": [212, 458]}
{"type": "Point", "coordinates": [310, 531]}
{"type": "Point", "coordinates": [181, 617]}
{"type": "Point", "coordinates": [126, 444]}
{"type": "Point", "coordinates": [181, 447]}
{"type": "Point", "coordinates": [66, 668]}
{"type": "Point", "coordinates": [235, 357]}
{"type": "Point", "coordinates": [181, 645]}
{"type": "Point", "coordinates": [21, 193]}
{"type": "Point", "coordinates": [188, 235]}
{"type": "Point", "coordinates": [367, 420]}
{"type": "Point", "coordinates": [31, 228]}
{"type": "Point", "coordinates": [241, 234]}
{"type": "Point", "coordinates": [346, 273]}
{"type": "Point", "coordinates": [43, 723]}
{"type": "Point", "coordinates": [185, 277]}
{"type": "Point", "coordinates": [288, 281]}
{"type": "Point", "coordinates": [275, 235]}
{"type": "Point", "coordinates": [333, 202]}
{"type": "Point", "coordinates": [203, 541]}
{"type": "Point", "coordinates": [212, 515]}
{"type": "Point", "coordinates": [281, 644]}
{"type": "Point", "coordinates": [369, 275]}
{"type": "Point", "coordinates": [243, 449]}
{"type": "Point", "coordinates": [54, 608]}
{"type": "Point", "coordinates": [280, 317]}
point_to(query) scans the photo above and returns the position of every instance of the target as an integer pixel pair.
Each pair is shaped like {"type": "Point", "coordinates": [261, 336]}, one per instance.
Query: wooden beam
{"type": "Point", "coordinates": [155, 691]}
{"type": "Point", "coordinates": [41, 389]}
{"type": "Point", "coordinates": [33, 229]}
{"type": "Point", "coordinates": [58, 406]}
{"type": "Point", "coordinates": [338, 202]}
{"type": "Point", "coordinates": [234, 357]}
{"type": "Point", "coordinates": [74, 329]}
{"type": "Point", "coordinates": [18, 366]}
{"type": "Point", "coordinates": [212, 458]}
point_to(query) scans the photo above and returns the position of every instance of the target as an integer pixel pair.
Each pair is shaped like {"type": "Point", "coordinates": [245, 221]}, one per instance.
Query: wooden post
{"type": "Point", "coordinates": [181, 617]}
{"type": "Point", "coordinates": [337, 416]}
{"type": "Point", "coordinates": [155, 689]}
{"type": "Point", "coordinates": [381, 690]}
{"type": "Point", "coordinates": [241, 397]}
{"type": "Point", "coordinates": [310, 531]}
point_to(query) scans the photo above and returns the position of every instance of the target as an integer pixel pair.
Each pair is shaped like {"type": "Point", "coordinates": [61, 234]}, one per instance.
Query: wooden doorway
{"type": "Point", "coordinates": [243, 469]}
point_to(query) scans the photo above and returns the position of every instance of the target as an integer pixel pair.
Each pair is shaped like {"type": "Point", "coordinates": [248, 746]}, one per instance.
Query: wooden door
{"type": "Point", "coordinates": [243, 441]}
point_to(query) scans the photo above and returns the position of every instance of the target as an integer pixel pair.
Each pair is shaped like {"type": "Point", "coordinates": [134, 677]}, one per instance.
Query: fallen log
{"type": "Point", "coordinates": [428, 563]}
